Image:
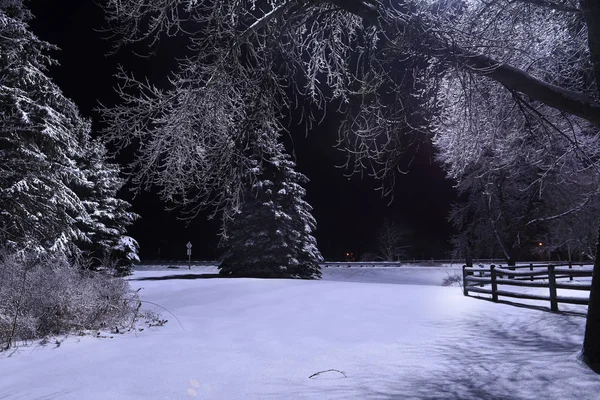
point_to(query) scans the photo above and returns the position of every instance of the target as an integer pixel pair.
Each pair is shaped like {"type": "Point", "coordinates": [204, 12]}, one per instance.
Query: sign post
{"type": "Point", "coordinates": [189, 253]}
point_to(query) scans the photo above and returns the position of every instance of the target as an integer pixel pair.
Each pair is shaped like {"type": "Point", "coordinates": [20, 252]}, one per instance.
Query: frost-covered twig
{"type": "Point", "coordinates": [328, 370]}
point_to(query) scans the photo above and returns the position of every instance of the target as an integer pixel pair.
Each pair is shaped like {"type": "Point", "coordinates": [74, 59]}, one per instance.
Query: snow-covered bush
{"type": "Point", "coordinates": [40, 297]}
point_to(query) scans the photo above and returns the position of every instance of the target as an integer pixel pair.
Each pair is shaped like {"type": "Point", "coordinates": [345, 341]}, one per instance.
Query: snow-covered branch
{"type": "Point", "coordinates": [386, 65]}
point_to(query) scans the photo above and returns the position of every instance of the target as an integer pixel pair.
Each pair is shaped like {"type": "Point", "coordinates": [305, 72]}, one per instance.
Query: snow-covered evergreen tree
{"type": "Point", "coordinates": [106, 228]}
{"type": "Point", "coordinates": [40, 137]}
{"type": "Point", "coordinates": [58, 193]}
{"type": "Point", "coordinates": [271, 234]}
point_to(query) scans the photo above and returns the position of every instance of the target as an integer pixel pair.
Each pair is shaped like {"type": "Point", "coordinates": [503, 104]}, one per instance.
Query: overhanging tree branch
{"type": "Point", "coordinates": [552, 5]}
{"type": "Point", "coordinates": [572, 102]}
{"type": "Point", "coordinates": [517, 80]}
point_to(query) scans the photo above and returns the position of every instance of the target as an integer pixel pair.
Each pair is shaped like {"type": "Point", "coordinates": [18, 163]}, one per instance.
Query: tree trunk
{"type": "Point", "coordinates": [468, 250]}
{"type": "Point", "coordinates": [591, 13]}
{"type": "Point", "coordinates": [469, 260]}
{"type": "Point", "coordinates": [591, 341]}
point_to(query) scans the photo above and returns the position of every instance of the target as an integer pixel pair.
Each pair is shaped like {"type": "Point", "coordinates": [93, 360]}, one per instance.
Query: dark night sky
{"type": "Point", "coordinates": [349, 212]}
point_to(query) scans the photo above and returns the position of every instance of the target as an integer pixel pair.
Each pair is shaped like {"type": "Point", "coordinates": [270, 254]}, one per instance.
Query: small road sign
{"type": "Point", "coordinates": [189, 254]}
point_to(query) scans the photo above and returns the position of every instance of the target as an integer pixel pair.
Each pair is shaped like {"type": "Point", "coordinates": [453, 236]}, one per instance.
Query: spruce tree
{"type": "Point", "coordinates": [58, 192]}
{"type": "Point", "coordinates": [271, 234]}
{"type": "Point", "coordinates": [105, 229]}
{"type": "Point", "coordinates": [40, 137]}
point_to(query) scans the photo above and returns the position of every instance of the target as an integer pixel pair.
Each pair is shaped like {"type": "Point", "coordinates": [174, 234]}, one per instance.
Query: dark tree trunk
{"type": "Point", "coordinates": [468, 250]}
{"type": "Point", "coordinates": [469, 261]}
{"type": "Point", "coordinates": [591, 341]}
{"type": "Point", "coordinates": [591, 13]}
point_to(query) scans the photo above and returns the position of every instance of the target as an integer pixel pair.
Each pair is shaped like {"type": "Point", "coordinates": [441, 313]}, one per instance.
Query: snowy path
{"type": "Point", "coordinates": [262, 339]}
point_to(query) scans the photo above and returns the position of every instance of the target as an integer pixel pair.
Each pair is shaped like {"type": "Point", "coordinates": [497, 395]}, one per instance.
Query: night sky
{"type": "Point", "coordinates": [349, 212]}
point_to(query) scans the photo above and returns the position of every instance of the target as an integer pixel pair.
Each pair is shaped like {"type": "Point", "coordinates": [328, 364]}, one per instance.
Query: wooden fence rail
{"type": "Point", "coordinates": [486, 280]}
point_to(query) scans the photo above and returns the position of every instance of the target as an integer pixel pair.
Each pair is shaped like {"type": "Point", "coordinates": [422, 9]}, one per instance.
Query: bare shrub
{"type": "Point", "coordinates": [454, 279]}
{"type": "Point", "coordinates": [41, 297]}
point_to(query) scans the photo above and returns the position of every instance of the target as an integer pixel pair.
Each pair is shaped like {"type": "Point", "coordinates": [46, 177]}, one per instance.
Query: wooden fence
{"type": "Point", "coordinates": [361, 264]}
{"type": "Point", "coordinates": [554, 276]}
{"type": "Point", "coordinates": [420, 263]}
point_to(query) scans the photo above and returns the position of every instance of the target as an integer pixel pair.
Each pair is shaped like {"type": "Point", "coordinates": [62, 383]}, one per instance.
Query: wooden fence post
{"type": "Point", "coordinates": [552, 286]}
{"type": "Point", "coordinates": [531, 269]}
{"type": "Point", "coordinates": [481, 274]}
{"type": "Point", "coordinates": [494, 284]}
{"type": "Point", "coordinates": [570, 267]}
{"type": "Point", "coordinates": [464, 271]}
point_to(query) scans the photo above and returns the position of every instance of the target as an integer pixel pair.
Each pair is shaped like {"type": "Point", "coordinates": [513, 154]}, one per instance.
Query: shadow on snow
{"type": "Point", "coordinates": [183, 276]}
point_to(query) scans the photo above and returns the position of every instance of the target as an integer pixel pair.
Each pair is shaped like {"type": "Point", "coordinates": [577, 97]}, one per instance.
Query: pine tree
{"type": "Point", "coordinates": [58, 192]}
{"type": "Point", "coordinates": [105, 229]}
{"type": "Point", "coordinates": [271, 234]}
{"type": "Point", "coordinates": [41, 133]}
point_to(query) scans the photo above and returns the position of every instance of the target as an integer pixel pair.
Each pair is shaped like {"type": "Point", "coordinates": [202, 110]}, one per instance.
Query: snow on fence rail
{"type": "Point", "coordinates": [552, 276]}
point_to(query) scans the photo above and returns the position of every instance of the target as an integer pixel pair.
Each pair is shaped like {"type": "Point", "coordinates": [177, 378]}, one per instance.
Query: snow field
{"type": "Point", "coordinates": [262, 339]}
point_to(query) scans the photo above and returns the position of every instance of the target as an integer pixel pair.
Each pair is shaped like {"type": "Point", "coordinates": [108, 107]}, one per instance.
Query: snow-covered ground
{"type": "Point", "coordinates": [394, 332]}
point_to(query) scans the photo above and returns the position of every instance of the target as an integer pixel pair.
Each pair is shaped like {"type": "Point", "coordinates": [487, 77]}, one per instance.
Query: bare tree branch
{"type": "Point", "coordinates": [513, 78]}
